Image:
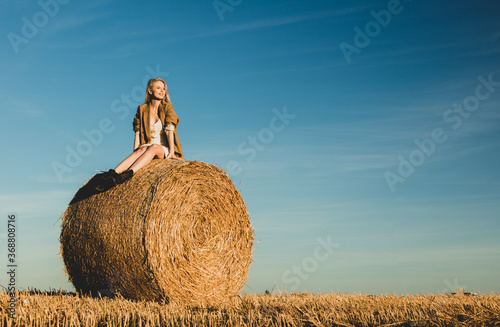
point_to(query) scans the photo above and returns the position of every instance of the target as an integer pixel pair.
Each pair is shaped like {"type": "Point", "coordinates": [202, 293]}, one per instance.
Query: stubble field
{"type": "Point", "coordinates": [296, 309]}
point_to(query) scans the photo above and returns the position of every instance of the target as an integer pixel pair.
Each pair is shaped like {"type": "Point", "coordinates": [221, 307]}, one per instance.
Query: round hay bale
{"type": "Point", "coordinates": [176, 231]}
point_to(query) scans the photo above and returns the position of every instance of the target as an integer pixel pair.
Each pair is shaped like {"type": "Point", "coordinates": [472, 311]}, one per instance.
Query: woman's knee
{"type": "Point", "coordinates": [141, 150]}
{"type": "Point", "coordinates": [155, 148]}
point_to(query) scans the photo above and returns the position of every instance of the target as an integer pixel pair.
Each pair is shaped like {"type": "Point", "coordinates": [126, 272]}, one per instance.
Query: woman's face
{"type": "Point", "coordinates": [158, 90]}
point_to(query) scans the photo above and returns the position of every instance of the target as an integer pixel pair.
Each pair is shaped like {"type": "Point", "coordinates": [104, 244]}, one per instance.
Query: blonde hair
{"type": "Point", "coordinates": [150, 87]}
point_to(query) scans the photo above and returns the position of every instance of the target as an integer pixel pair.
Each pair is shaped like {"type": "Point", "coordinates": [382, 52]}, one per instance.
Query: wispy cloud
{"type": "Point", "coordinates": [272, 22]}
{"type": "Point", "coordinates": [406, 255]}
{"type": "Point", "coordinates": [52, 179]}
{"type": "Point", "coordinates": [64, 22]}
{"type": "Point", "coordinates": [22, 108]}
{"type": "Point", "coordinates": [368, 145]}
{"type": "Point", "coordinates": [311, 67]}
{"type": "Point", "coordinates": [431, 52]}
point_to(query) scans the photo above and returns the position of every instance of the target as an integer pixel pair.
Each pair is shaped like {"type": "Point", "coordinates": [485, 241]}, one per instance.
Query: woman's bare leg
{"type": "Point", "coordinates": [153, 151]}
{"type": "Point", "coordinates": [129, 161]}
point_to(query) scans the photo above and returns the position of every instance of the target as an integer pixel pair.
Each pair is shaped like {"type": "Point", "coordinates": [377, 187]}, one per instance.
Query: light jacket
{"type": "Point", "coordinates": [167, 116]}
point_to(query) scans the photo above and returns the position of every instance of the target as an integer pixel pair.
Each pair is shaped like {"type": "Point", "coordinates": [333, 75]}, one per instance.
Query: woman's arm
{"type": "Point", "coordinates": [171, 153]}
{"type": "Point", "coordinates": [136, 140]}
{"type": "Point", "coordinates": [169, 131]}
{"type": "Point", "coordinates": [136, 123]}
{"type": "Point", "coordinates": [170, 123]}
{"type": "Point", "coordinates": [171, 146]}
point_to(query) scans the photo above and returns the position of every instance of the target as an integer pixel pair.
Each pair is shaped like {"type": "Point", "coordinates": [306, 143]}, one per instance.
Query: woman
{"type": "Point", "coordinates": [155, 127]}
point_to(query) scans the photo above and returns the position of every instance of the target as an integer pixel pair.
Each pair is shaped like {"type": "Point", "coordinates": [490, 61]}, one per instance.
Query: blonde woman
{"type": "Point", "coordinates": [155, 126]}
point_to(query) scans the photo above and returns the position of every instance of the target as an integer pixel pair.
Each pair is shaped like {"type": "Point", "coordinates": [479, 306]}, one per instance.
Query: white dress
{"type": "Point", "coordinates": [158, 136]}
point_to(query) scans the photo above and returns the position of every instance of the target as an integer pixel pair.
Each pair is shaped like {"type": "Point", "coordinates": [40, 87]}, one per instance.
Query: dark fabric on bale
{"type": "Point", "coordinates": [176, 231]}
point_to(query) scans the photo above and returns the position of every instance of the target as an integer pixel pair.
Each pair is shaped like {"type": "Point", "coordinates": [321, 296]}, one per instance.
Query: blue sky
{"type": "Point", "coordinates": [323, 142]}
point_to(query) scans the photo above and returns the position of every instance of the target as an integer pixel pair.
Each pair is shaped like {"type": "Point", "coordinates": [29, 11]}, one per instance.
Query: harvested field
{"type": "Point", "coordinates": [59, 309]}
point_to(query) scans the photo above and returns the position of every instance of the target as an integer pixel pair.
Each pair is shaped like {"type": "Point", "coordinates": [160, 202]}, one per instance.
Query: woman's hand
{"type": "Point", "coordinates": [171, 155]}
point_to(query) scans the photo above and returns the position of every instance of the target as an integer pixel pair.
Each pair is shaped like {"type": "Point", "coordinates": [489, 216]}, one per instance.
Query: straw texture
{"type": "Point", "coordinates": [176, 231]}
